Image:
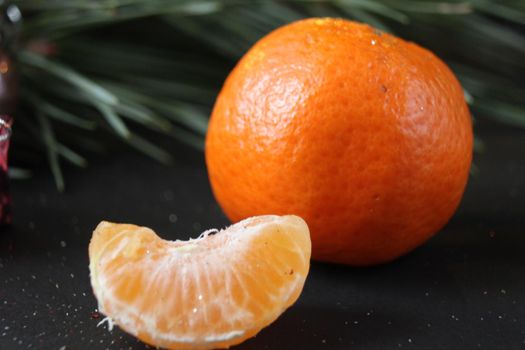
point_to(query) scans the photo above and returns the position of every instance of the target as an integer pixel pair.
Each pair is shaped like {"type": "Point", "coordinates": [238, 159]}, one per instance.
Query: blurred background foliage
{"type": "Point", "coordinates": [140, 72]}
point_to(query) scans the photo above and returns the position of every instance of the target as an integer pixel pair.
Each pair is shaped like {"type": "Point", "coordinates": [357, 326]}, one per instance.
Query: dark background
{"type": "Point", "coordinates": [464, 289]}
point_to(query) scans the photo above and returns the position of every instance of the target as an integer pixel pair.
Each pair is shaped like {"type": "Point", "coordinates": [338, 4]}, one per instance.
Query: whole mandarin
{"type": "Point", "coordinates": [364, 135]}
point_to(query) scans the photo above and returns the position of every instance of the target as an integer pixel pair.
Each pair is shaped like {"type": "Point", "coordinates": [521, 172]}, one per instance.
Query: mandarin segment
{"type": "Point", "coordinates": [364, 135]}
{"type": "Point", "coordinates": [211, 292]}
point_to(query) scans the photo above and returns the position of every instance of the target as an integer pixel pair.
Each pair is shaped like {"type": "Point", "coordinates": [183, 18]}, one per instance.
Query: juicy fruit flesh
{"type": "Point", "coordinates": [206, 293]}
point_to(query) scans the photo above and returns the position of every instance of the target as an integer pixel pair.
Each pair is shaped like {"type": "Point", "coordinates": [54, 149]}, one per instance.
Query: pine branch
{"type": "Point", "coordinates": [120, 67]}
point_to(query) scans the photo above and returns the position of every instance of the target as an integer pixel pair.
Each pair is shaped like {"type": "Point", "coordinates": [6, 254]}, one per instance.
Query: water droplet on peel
{"type": "Point", "coordinates": [199, 297]}
{"type": "Point", "coordinates": [194, 310]}
{"type": "Point", "coordinates": [309, 39]}
{"type": "Point", "coordinates": [373, 41]}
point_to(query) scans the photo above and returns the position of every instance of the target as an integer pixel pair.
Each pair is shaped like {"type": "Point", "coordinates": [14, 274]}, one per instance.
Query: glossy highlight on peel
{"type": "Point", "coordinates": [211, 292]}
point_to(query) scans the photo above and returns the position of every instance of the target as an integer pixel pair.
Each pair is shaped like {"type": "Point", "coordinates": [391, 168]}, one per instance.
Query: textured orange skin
{"type": "Point", "coordinates": [364, 135]}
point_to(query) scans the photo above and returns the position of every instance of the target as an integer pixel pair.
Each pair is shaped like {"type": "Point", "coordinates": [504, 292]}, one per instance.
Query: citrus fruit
{"type": "Point", "coordinates": [210, 292]}
{"type": "Point", "coordinates": [364, 135]}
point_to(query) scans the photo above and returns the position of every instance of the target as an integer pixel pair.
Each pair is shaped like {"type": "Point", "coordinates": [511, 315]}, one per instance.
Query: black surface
{"type": "Point", "coordinates": [464, 289]}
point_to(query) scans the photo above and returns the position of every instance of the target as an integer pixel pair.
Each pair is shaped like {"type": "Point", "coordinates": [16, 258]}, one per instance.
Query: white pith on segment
{"type": "Point", "coordinates": [187, 266]}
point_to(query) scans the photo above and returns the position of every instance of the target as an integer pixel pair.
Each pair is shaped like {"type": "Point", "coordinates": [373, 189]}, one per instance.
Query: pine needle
{"type": "Point", "coordinates": [57, 113]}
{"type": "Point", "coordinates": [71, 155]}
{"type": "Point", "coordinates": [69, 75]}
{"type": "Point", "coordinates": [113, 119]}
{"type": "Point", "coordinates": [52, 150]}
{"type": "Point", "coordinates": [19, 173]}
{"type": "Point", "coordinates": [149, 149]}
